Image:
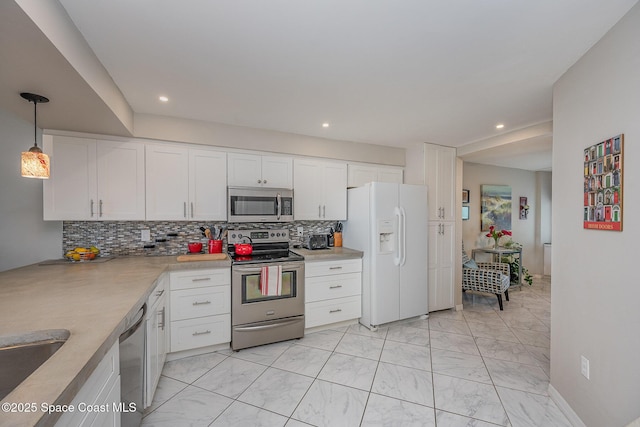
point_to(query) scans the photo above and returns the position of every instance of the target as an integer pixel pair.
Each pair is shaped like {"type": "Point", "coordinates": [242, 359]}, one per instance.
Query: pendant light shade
{"type": "Point", "coordinates": [35, 164]}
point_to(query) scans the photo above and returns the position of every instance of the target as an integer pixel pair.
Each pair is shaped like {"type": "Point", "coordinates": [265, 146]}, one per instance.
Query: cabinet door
{"type": "Point", "coordinates": [441, 178]}
{"type": "Point", "coordinates": [334, 206]}
{"type": "Point", "coordinates": [244, 170]}
{"type": "Point", "coordinates": [447, 183]}
{"type": "Point", "coordinates": [358, 175]}
{"type": "Point", "coordinates": [441, 263]}
{"type": "Point", "coordinates": [71, 192]}
{"type": "Point", "coordinates": [120, 180]}
{"type": "Point", "coordinates": [167, 182]}
{"type": "Point", "coordinates": [307, 187]}
{"type": "Point", "coordinates": [277, 172]}
{"type": "Point", "coordinates": [207, 185]}
{"type": "Point", "coordinates": [390, 175]}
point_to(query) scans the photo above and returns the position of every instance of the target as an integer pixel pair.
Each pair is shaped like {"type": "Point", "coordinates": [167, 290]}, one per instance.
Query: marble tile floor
{"type": "Point", "coordinates": [478, 367]}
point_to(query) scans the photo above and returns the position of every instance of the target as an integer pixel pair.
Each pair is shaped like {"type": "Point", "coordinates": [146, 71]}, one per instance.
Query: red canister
{"type": "Point", "coordinates": [215, 246]}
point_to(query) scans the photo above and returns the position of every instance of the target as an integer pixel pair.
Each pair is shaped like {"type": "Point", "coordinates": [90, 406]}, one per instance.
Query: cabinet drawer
{"type": "Point", "coordinates": [332, 311]}
{"type": "Point", "coordinates": [201, 332]}
{"type": "Point", "coordinates": [331, 287]}
{"type": "Point", "coordinates": [200, 302]}
{"type": "Point", "coordinates": [200, 278]}
{"type": "Point", "coordinates": [325, 268]}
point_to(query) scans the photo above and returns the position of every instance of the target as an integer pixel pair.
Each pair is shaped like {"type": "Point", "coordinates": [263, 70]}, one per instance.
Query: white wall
{"type": "Point", "coordinates": [595, 290]}
{"type": "Point", "coordinates": [24, 237]}
{"type": "Point", "coordinates": [523, 183]}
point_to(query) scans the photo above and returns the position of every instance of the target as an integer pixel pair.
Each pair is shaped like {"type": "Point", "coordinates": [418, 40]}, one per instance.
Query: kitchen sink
{"type": "Point", "coordinates": [21, 355]}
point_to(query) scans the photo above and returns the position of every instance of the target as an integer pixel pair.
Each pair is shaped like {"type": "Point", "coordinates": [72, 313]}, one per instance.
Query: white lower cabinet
{"type": "Point", "coordinates": [200, 304]}
{"type": "Point", "coordinates": [332, 291]}
{"type": "Point", "coordinates": [97, 402]}
{"type": "Point", "coordinates": [441, 265]}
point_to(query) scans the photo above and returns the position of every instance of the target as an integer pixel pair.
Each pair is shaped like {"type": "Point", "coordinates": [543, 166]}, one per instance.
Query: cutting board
{"type": "Point", "coordinates": [202, 257]}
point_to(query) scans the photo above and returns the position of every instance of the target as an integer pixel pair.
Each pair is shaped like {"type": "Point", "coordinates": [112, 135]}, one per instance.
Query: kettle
{"type": "Point", "coordinates": [244, 248]}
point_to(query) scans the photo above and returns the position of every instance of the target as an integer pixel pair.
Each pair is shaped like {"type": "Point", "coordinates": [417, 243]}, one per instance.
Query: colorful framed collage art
{"type": "Point", "coordinates": [603, 169]}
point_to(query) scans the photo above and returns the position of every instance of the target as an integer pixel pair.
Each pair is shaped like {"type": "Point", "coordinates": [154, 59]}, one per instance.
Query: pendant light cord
{"type": "Point", "coordinates": [35, 122]}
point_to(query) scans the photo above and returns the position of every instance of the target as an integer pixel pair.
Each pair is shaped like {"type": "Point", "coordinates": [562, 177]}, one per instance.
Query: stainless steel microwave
{"type": "Point", "coordinates": [260, 204]}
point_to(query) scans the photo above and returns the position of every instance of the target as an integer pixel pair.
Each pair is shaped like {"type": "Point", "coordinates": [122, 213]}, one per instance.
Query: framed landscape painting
{"type": "Point", "coordinates": [495, 207]}
{"type": "Point", "coordinates": [603, 169]}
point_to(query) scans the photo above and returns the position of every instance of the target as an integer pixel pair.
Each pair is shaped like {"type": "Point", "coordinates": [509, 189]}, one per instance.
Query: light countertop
{"type": "Point", "coordinates": [95, 302]}
{"type": "Point", "coordinates": [328, 254]}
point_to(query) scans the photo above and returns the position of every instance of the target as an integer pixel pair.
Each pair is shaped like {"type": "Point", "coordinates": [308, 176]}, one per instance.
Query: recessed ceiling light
{"type": "Point", "coordinates": [163, 98]}
{"type": "Point", "coordinates": [325, 125]}
{"type": "Point", "coordinates": [500, 126]}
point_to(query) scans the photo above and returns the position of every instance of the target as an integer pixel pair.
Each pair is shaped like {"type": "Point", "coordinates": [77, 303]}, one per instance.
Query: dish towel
{"type": "Point", "coordinates": [271, 280]}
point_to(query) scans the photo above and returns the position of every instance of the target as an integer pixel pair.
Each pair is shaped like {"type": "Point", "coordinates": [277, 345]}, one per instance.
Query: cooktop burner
{"type": "Point", "coordinates": [268, 245]}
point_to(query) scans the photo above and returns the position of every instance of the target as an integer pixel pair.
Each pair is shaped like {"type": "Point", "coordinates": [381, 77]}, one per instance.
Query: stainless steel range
{"type": "Point", "coordinates": [267, 288]}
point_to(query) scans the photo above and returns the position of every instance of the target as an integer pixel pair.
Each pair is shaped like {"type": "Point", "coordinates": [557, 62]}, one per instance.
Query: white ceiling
{"type": "Point", "coordinates": [379, 71]}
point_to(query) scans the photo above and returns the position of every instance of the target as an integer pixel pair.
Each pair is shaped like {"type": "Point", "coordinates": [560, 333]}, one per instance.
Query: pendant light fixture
{"type": "Point", "coordinates": [35, 164]}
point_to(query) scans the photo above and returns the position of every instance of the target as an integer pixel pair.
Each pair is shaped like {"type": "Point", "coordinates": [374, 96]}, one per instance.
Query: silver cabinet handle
{"type": "Point", "coordinates": [184, 209]}
{"type": "Point", "coordinates": [338, 310]}
{"type": "Point", "coordinates": [201, 279]}
{"type": "Point", "coordinates": [338, 267]}
{"type": "Point", "coordinates": [195, 334]}
{"type": "Point", "coordinates": [319, 208]}
{"type": "Point", "coordinates": [264, 181]}
{"type": "Point", "coordinates": [159, 293]}
{"type": "Point", "coordinates": [191, 209]}
{"type": "Point", "coordinates": [162, 316]}
{"type": "Point", "coordinates": [259, 181]}
{"type": "Point", "coordinates": [91, 207]}
{"type": "Point", "coordinates": [443, 212]}
{"type": "Point", "coordinates": [201, 302]}
{"type": "Point", "coordinates": [100, 208]}
{"type": "Point", "coordinates": [324, 211]}
{"type": "Point", "coordinates": [335, 287]}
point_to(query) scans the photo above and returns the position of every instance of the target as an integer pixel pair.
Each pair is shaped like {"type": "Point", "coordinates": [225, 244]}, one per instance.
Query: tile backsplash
{"type": "Point", "coordinates": [123, 238]}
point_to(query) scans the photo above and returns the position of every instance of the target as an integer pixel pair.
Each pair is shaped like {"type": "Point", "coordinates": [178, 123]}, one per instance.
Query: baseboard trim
{"type": "Point", "coordinates": [574, 419]}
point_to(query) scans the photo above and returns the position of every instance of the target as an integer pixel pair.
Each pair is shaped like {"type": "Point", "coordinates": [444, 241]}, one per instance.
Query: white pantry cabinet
{"type": "Point", "coordinates": [252, 170]}
{"type": "Point", "coordinates": [93, 179]}
{"type": "Point", "coordinates": [320, 190]}
{"type": "Point", "coordinates": [185, 183]}
{"type": "Point", "coordinates": [441, 265]}
{"type": "Point", "coordinates": [359, 174]}
{"type": "Point", "coordinates": [441, 180]}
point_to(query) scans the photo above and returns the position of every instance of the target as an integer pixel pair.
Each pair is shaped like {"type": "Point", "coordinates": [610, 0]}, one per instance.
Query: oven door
{"type": "Point", "coordinates": [251, 300]}
{"type": "Point", "coordinates": [260, 205]}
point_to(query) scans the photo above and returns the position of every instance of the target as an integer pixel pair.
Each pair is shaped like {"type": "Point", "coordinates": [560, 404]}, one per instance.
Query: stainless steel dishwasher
{"type": "Point", "coordinates": [132, 343]}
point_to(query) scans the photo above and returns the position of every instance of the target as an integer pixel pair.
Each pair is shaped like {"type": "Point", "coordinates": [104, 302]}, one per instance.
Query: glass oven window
{"type": "Point", "coordinates": [252, 291]}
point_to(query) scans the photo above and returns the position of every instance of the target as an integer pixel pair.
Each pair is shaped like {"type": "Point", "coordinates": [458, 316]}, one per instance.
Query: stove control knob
{"type": "Point", "coordinates": [233, 236]}
{"type": "Point", "coordinates": [273, 234]}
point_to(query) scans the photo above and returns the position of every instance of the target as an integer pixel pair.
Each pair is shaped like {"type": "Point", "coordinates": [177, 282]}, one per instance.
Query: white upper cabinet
{"type": "Point", "coordinates": [320, 190]}
{"type": "Point", "coordinates": [94, 179]}
{"type": "Point", "coordinates": [441, 179]}
{"type": "Point", "coordinates": [185, 184]}
{"type": "Point", "coordinates": [207, 185]}
{"type": "Point", "coordinates": [361, 174]}
{"type": "Point", "coordinates": [251, 170]}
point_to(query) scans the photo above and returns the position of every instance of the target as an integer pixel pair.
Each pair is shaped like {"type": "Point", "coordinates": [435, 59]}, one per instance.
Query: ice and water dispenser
{"type": "Point", "coordinates": [386, 236]}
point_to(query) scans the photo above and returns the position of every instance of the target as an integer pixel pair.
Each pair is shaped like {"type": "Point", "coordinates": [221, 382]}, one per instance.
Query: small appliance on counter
{"type": "Point", "coordinates": [316, 241]}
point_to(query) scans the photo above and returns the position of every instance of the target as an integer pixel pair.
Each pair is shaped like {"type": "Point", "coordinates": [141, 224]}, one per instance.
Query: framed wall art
{"type": "Point", "coordinates": [524, 208]}
{"type": "Point", "coordinates": [603, 169]}
{"type": "Point", "coordinates": [495, 206]}
{"type": "Point", "coordinates": [465, 196]}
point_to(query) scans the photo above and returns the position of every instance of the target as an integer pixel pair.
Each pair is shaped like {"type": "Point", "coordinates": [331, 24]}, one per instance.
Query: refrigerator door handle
{"type": "Point", "coordinates": [403, 236]}
{"type": "Point", "coordinates": [397, 260]}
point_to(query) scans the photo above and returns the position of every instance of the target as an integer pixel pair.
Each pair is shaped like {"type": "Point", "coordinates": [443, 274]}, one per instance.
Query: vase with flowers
{"type": "Point", "coordinates": [496, 235]}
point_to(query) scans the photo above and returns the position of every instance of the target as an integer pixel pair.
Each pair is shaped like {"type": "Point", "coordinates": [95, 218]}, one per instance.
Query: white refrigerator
{"type": "Point", "coordinates": [388, 222]}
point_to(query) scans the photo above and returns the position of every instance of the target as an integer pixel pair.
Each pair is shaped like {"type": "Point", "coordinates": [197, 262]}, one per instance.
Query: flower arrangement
{"type": "Point", "coordinates": [496, 235]}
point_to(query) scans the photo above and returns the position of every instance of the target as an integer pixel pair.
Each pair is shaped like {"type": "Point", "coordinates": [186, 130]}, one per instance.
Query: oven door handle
{"type": "Point", "coordinates": [263, 327]}
{"type": "Point", "coordinates": [258, 269]}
